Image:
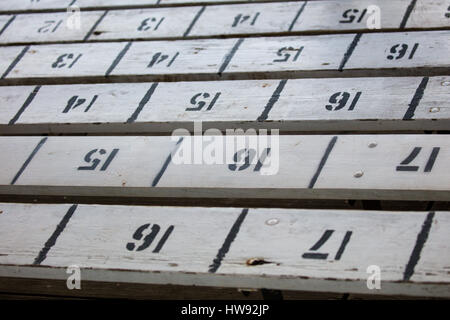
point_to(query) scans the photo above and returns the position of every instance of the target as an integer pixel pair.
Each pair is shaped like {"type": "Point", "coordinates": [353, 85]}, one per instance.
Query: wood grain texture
{"type": "Point", "coordinates": [297, 56]}
{"type": "Point", "coordinates": [62, 5]}
{"type": "Point", "coordinates": [98, 240]}
{"type": "Point", "coordinates": [321, 105]}
{"type": "Point", "coordinates": [279, 18]}
{"type": "Point", "coordinates": [386, 167]}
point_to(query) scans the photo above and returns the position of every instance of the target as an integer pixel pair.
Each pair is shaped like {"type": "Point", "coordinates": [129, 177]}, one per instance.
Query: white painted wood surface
{"type": "Point", "coordinates": [435, 13]}
{"type": "Point", "coordinates": [389, 167]}
{"type": "Point", "coordinates": [8, 54]}
{"type": "Point", "coordinates": [100, 240]}
{"type": "Point", "coordinates": [43, 5]}
{"type": "Point", "coordinates": [359, 104]}
{"type": "Point", "coordinates": [275, 56]}
{"type": "Point", "coordinates": [225, 20]}
{"type": "Point", "coordinates": [48, 27]}
{"type": "Point", "coordinates": [417, 51]}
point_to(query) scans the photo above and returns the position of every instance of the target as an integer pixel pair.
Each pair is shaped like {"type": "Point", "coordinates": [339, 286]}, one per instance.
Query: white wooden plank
{"type": "Point", "coordinates": [174, 57]}
{"type": "Point", "coordinates": [390, 167]}
{"type": "Point", "coordinates": [435, 13]}
{"type": "Point", "coordinates": [43, 5]}
{"type": "Point", "coordinates": [49, 27]}
{"type": "Point", "coordinates": [61, 60]}
{"type": "Point", "coordinates": [260, 18]}
{"type": "Point", "coordinates": [247, 18]}
{"type": "Point", "coordinates": [384, 239]}
{"type": "Point", "coordinates": [145, 23]}
{"type": "Point", "coordinates": [396, 50]}
{"type": "Point", "coordinates": [28, 227]}
{"type": "Point", "coordinates": [354, 15]}
{"type": "Point", "coordinates": [223, 20]}
{"type": "Point", "coordinates": [277, 56]}
{"type": "Point", "coordinates": [33, 5]}
{"type": "Point", "coordinates": [321, 105]}
{"type": "Point", "coordinates": [100, 240]}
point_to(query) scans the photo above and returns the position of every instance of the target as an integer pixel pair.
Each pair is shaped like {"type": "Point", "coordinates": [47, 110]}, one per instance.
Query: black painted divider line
{"type": "Point", "coordinates": [25, 105]}
{"type": "Point", "coordinates": [230, 55]}
{"type": "Point", "coordinates": [15, 61]}
{"type": "Point", "coordinates": [227, 243]}
{"type": "Point", "coordinates": [273, 99]}
{"type": "Point", "coordinates": [95, 26]}
{"type": "Point", "coordinates": [420, 242]}
{"type": "Point", "coordinates": [42, 255]}
{"type": "Point", "coordinates": [166, 164]}
{"type": "Point", "coordinates": [416, 99]}
{"type": "Point", "coordinates": [299, 12]}
{"type": "Point", "coordinates": [349, 51]}
{"type": "Point", "coordinates": [118, 58]}
{"type": "Point", "coordinates": [191, 25]}
{"type": "Point", "coordinates": [323, 161]}
{"type": "Point", "coordinates": [142, 103]}
{"type": "Point", "coordinates": [408, 11]}
{"type": "Point", "coordinates": [7, 24]}
{"type": "Point", "coordinates": [27, 162]}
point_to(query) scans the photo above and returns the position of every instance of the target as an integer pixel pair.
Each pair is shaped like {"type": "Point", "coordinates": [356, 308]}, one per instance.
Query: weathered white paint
{"type": "Point", "coordinates": [374, 49]}
{"type": "Point", "coordinates": [34, 5]}
{"type": "Point", "coordinates": [220, 20]}
{"type": "Point", "coordinates": [433, 13]}
{"type": "Point", "coordinates": [247, 18]}
{"type": "Point", "coordinates": [275, 56]}
{"type": "Point", "coordinates": [355, 15]}
{"type": "Point", "coordinates": [60, 60]}
{"type": "Point", "coordinates": [180, 57]}
{"type": "Point", "coordinates": [358, 167]}
{"type": "Point", "coordinates": [145, 23]}
{"type": "Point", "coordinates": [8, 55]}
{"type": "Point", "coordinates": [49, 27]}
{"type": "Point", "coordinates": [301, 106]}
{"type": "Point", "coordinates": [12, 157]}
{"type": "Point", "coordinates": [95, 238]}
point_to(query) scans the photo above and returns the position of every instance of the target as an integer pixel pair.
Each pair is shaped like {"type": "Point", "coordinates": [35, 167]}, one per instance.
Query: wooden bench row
{"type": "Point", "coordinates": [224, 20]}
{"type": "Point", "coordinates": [62, 5]}
{"type": "Point", "coordinates": [386, 167]}
{"type": "Point", "coordinates": [283, 249]}
{"type": "Point", "coordinates": [319, 56]}
{"type": "Point", "coordinates": [296, 105]}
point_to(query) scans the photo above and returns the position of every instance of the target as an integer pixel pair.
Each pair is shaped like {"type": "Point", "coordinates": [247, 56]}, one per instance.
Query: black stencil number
{"type": "Point", "coordinates": [245, 18]}
{"type": "Point", "coordinates": [447, 14]}
{"type": "Point", "coordinates": [201, 99]}
{"type": "Point", "coordinates": [339, 100]}
{"type": "Point", "coordinates": [75, 102]}
{"type": "Point", "coordinates": [66, 60]}
{"type": "Point", "coordinates": [160, 57]}
{"type": "Point", "coordinates": [405, 164]}
{"type": "Point", "coordinates": [313, 254]}
{"type": "Point", "coordinates": [248, 155]}
{"type": "Point", "coordinates": [50, 26]}
{"type": "Point", "coordinates": [285, 54]}
{"type": "Point", "coordinates": [150, 24]}
{"type": "Point", "coordinates": [147, 240]}
{"type": "Point", "coordinates": [350, 15]}
{"type": "Point", "coordinates": [398, 51]}
{"type": "Point", "coordinates": [95, 162]}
